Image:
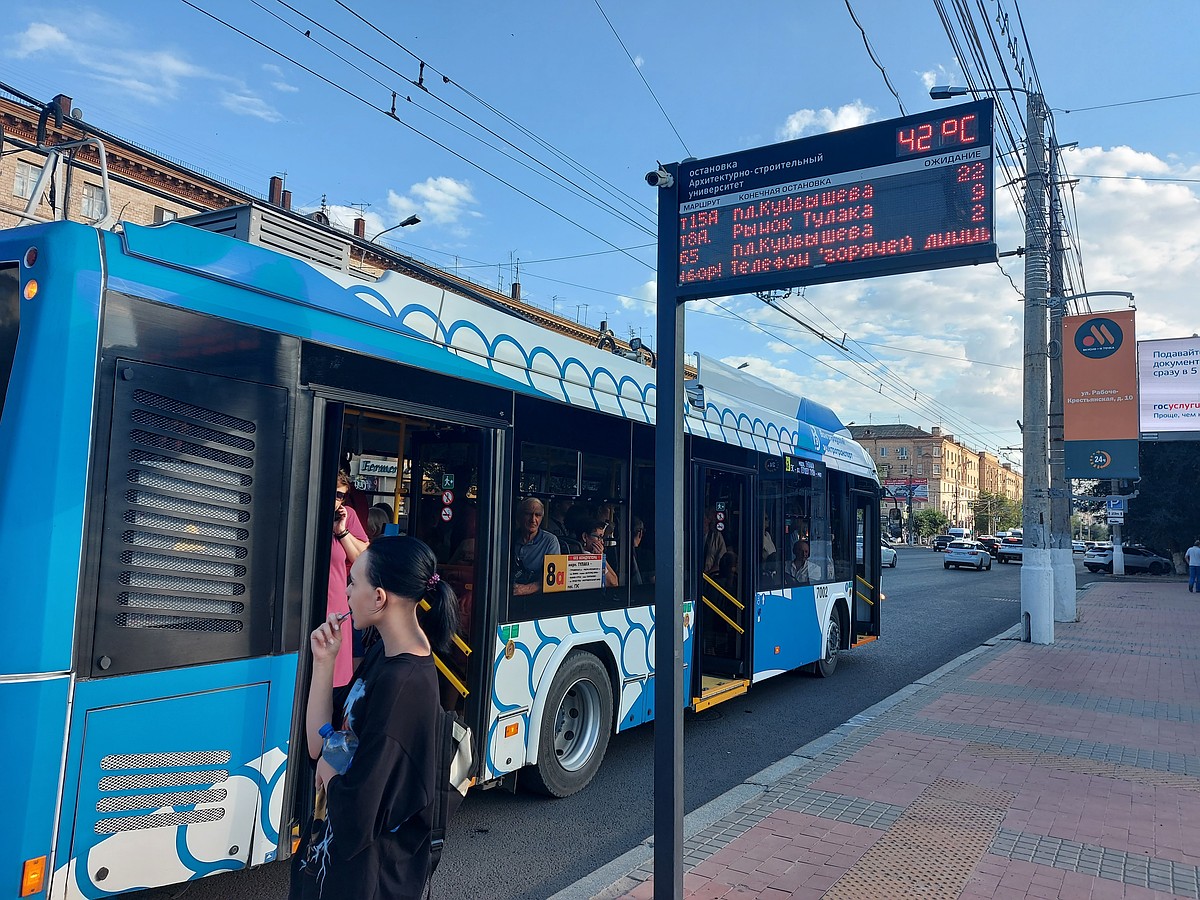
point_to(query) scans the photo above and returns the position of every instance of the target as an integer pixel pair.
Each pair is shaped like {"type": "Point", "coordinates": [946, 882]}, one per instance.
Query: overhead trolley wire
{"type": "Point", "coordinates": [549, 173]}
{"type": "Point", "coordinates": [413, 129]}
{"type": "Point", "coordinates": [642, 75]}
{"type": "Point", "coordinates": [446, 79]}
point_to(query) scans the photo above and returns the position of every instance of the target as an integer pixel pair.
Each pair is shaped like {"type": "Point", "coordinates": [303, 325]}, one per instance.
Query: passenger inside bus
{"type": "Point", "coordinates": [556, 521]}
{"type": "Point", "coordinates": [801, 570]}
{"type": "Point", "coordinates": [531, 543]}
{"type": "Point", "coordinates": [591, 537]}
{"type": "Point", "coordinates": [641, 568]}
{"type": "Point", "coordinates": [714, 543]}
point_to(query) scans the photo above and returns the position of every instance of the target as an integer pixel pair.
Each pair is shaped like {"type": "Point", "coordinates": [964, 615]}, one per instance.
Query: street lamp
{"type": "Point", "coordinates": [1037, 576]}
{"type": "Point", "coordinates": [411, 220]}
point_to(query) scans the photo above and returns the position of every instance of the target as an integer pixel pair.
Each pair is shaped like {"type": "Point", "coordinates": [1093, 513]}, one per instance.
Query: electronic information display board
{"type": "Point", "coordinates": [904, 195]}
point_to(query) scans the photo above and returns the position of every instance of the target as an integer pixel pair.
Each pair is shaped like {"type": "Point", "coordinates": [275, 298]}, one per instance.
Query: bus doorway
{"type": "Point", "coordinates": [867, 569]}
{"type": "Point", "coordinates": [722, 575]}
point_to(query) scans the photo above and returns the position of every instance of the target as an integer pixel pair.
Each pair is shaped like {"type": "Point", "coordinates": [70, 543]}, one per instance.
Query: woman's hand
{"type": "Point", "coordinates": [340, 516]}
{"type": "Point", "coordinates": [326, 640]}
{"type": "Point", "coordinates": [324, 773]}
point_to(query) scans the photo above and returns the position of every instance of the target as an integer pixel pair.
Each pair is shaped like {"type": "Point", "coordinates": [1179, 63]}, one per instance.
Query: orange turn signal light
{"type": "Point", "coordinates": [510, 730]}
{"type": "Point", "coordinates": [31, 288]}
{"type": "Point", "coordinates": [33, 876]}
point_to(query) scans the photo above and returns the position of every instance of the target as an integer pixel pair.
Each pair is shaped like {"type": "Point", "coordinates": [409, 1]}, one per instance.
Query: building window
{"type": "Point", "coordinates": [883, 452]}
{"type": "Point", "coordinates": [902, 452]}
{"type": "Point", "coordinates": [93, 202]}
{"type": "Point", "coordinates": [25, 180]}
{"type": "Point", "coordinates": [904, 469]}
{"type": "Point", "coordinates": [920, 468]}
{"type": "Point", "coordinates": [936, 469]}
{"type": "Point", "coordinates": [164, 215]}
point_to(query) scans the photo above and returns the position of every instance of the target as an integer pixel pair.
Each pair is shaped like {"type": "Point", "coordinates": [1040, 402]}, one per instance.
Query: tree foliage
{"type": "Point", "coordinates": [995, 511]}
{"type": "Point", "coordinates": [929, 522]}
{"type": "Point", "coordinates": [1165, 513]}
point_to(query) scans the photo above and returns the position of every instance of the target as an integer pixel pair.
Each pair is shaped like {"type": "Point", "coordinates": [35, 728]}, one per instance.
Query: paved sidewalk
{"type": "Point", "coordinates": [1018, 770]}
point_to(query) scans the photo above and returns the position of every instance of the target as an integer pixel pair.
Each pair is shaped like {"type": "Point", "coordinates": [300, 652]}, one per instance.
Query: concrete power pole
{"type": "Point", "coordinates": [1037, 607]}
{"type": "Point", "coordinates": [1062, 561]}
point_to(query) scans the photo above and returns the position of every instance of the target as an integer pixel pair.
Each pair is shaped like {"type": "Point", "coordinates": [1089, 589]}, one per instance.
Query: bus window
{"type": "Point", "coordinates": [570, 580]}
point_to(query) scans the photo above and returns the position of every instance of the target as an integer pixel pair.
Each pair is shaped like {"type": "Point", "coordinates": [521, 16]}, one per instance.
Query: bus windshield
{"type": "Point", "coordinates": [10, 321]}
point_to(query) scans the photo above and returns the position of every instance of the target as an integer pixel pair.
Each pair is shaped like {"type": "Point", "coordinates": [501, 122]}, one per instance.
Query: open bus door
{"type": "Point", "coordinates": [722, 578]}
{"type": "Point", "coordinates": [867, 569]}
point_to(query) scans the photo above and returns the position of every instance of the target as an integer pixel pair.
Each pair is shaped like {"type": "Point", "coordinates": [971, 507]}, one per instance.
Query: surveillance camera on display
{"type": "Point", "coordinates": [660, 178]}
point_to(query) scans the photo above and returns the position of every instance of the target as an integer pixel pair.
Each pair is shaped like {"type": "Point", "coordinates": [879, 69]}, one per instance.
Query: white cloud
{"type": "Point", "coordinates": [38, 37]}
{"type": "Point", "coordinates": [639, 61]}
{"type": "Point", "coordinates": [818, 121]}
{"type": "Point", "coordinates": [438, 199]}
{"type": "Point", "coordinates": [109, 53]}
{"type": "Point", "coordinates": [279, 83]}
{"type": "Point", "coordinates": [245, 104]}
{"type": "Point", "coordinates": [644, 300]}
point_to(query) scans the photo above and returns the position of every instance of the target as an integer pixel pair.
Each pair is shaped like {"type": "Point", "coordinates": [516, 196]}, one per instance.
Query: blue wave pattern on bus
{"type": "Point", "coordinates": [112, 717]}
{"type": "Point", "coordinates": [521, 680]}
{"type": "Point", "coordinates": [472, 332]}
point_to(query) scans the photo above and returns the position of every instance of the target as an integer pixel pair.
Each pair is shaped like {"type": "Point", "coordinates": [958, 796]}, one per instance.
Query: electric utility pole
{"type": "Point", "coordinates": [1037, 608]}
{"type": "Point", "coordinates": [1062, 561]}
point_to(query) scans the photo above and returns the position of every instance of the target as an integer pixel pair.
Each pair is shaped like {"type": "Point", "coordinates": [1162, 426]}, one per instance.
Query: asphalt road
{"type": "Point", "coordinates": [526, 847]}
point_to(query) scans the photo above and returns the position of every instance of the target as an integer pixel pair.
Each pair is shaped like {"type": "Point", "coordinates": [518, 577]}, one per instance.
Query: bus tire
{"type": "Point", "coordinates": [575, 727]}
{"type": "Point", "coordinates": [833, 645]}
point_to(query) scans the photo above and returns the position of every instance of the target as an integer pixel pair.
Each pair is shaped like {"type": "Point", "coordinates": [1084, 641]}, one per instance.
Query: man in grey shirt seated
{"type": "Point", "coordinates": [531, 543]}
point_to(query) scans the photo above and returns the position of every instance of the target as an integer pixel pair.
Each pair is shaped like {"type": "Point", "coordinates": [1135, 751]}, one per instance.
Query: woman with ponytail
{"type": "Point", "coordinates": [378, 814]}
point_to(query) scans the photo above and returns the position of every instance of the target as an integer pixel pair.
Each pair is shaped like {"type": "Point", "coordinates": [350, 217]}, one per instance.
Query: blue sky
{"type": "Point", "coordinates": [941, 348]}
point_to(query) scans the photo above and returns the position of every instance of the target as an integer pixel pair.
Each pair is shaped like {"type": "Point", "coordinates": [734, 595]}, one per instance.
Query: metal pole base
{"type": "Point", "coordinates": [1037, 596]}
{"type": "Point", "coordinates": [1062, 561]}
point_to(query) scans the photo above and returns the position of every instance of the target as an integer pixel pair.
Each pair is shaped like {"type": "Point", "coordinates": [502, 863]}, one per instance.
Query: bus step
{"type": "Point", "coordinates": [718, 690]}
{"type": "Point", "coordinates": [865, 639]}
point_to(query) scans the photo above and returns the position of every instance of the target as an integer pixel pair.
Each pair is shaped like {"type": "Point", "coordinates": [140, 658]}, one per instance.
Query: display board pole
{"type": "Point", "coordinates": [669, 531]}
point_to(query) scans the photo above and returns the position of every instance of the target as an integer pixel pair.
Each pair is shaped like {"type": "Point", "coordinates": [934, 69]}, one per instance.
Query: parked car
{"type": "Point", "coordinates": [1137, 559]}
{"type": "Point", "coordinates": [989, 542]}
{"type": "Point", "coordinates": [966, 553]}
{"type": "Point", "coordinates": [1011, 549]}
{"type": "Point", "coordinates": [887, 556]}
{"type": "Point", "coordinates": [942, 541]}
{"type": "Point", "coordinates": [1078, 547]}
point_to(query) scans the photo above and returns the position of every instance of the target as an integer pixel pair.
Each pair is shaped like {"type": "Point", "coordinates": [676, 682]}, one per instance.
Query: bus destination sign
{"type": "Point", "coordinates": [904, 195]}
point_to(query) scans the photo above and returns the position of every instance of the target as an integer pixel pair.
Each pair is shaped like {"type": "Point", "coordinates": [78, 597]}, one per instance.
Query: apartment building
{"type": "Point", "coordinates": [935, 471]}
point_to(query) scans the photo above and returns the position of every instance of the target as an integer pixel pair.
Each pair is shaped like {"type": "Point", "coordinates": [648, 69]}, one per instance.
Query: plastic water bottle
{"type": "Point", "coordinates": [338, 748]}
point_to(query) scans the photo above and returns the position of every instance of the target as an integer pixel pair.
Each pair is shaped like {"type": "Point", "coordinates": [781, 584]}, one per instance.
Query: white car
{"type": "Point", "coordinates": [967, 553]}
{"type": "Point", "coordinates": [887, 556]}
{"type": "Point", "coordinates": [1078, 547]}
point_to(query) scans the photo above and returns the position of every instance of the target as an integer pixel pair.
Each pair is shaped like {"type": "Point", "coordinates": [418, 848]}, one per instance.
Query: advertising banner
{"type": "Point", "coordinates": [1169, 387]}
{"type": "Point", "coordinates": [1100, 397]}
{"type": "Point", "coordinates": [899, 489]}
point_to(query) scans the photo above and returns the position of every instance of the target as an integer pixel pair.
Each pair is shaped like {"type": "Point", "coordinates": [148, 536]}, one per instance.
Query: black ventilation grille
{"type": "Point", "coordinates": [188, 560]}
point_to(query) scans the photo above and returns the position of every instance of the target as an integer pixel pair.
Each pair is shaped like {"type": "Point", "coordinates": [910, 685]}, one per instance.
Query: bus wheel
{"type": "Point", "coordinates": [833, 645]}
{"type": "Point", "coordinates": [576, 726]}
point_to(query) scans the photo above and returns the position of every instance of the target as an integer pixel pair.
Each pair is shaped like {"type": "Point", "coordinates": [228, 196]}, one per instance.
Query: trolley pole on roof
{"type": "Point", "coordinates": [669, 530]}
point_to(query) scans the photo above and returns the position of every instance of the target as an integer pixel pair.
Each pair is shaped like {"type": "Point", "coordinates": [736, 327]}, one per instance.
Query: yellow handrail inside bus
{"type": "Point", "coordinates": [458, 641]}
{"type": "Point", "coordinates": [450, 676]}
{"type": "Point", "coordinates": [861, 596]}
{"type": "Point", "coordinates": [732, 624]}
{"type": "Point", "coordinates": [728, 596]}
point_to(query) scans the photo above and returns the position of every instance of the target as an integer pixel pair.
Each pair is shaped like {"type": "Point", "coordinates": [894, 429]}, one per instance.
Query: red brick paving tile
{"type": "Point", "coordinates": [710, 891]}
{"type": "Point", "coordinates": [774, 866]}
{"type": "Point", "coordinates": [644, 891]}
{"type": "Point", "coordinates": [772, 894]}
{"type": "Point", "coordinates": [1042, 892]}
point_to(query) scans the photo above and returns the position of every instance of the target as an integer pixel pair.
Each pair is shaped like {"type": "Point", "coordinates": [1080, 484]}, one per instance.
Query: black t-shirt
{"type": "Point", "coordinates": [375, 843]}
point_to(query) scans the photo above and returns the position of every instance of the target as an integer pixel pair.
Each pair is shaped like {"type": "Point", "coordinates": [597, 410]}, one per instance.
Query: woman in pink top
{"type": "Point", "coordinates": [349, 540]}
